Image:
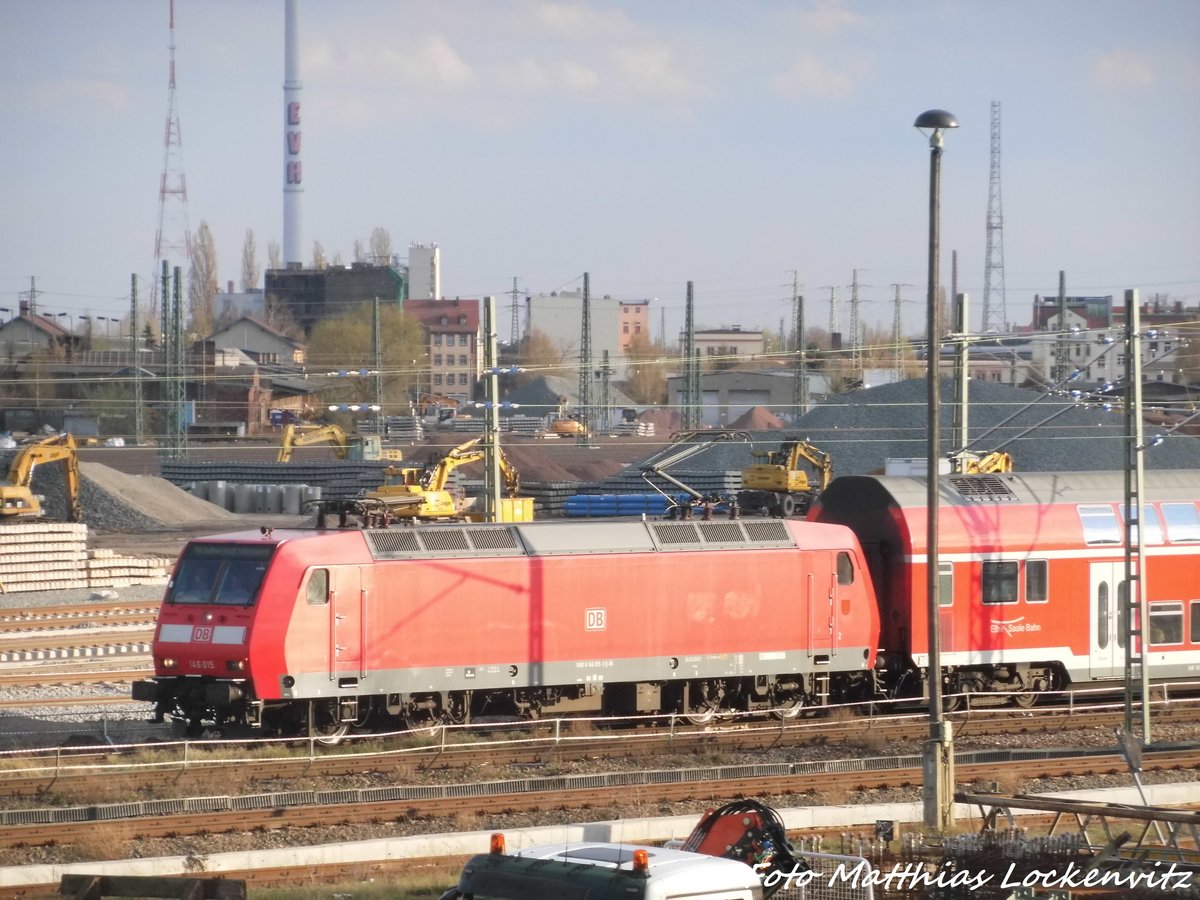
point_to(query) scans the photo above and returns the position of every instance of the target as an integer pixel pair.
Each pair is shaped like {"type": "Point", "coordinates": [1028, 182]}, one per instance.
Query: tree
{"type": "Point", "coordinates": [279, 316]}
{"type": "Point", "coordinates": [539, 355]}
{"type": "Point", "coordinates": [381, 246]}
{"type": "Point", "coordinates": [318, 260]}
{"type": "Point", "coordinates": [274, 255]}
{"type": "Point", "coordinates": [345, 343]}
{"type": "Point", "coordinates": [249, 262]}
{"type": "Point", "coordinates": [202, 282]}
{"type": "Point", "coordinates": [359, 252]}
{"type": "Point", "coordinates": [647, 382]}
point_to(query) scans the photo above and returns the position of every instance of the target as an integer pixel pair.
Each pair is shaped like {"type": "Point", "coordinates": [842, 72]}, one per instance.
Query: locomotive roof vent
{"type": "Point", "coordinates": [400, 543]}
{"type": "Point", "coordinates": [744, 534]}
{"type": "Point", "coordinates": [981, 487]}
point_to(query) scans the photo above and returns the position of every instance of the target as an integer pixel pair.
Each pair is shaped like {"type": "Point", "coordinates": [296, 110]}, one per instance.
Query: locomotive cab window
{"type": "Point", "coordinates": [1099, 525]}
{"type": "Point", "coordinates": [1183, 522]}
{"type": "Point", "coordinates": [999, 581]}
{"type": "Point", "coordinates": [1036, 581]}
{"type": "Point", "coordinates": [845, 568]}
{"type": "Point", "coordinates": [1166, 623]}
{"type": "Point", "coordinates": [317, 592]}
{"type": "Point", "coordinates": [226, 574]}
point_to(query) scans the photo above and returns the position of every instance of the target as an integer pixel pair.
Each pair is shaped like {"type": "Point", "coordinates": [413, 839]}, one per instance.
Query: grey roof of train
{"type": "Point", "coordinates": [861, 431]}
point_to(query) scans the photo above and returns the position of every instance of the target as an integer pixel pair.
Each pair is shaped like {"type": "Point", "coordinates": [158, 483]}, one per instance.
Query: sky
{"type": "Point", "coordinates": [744, 146]}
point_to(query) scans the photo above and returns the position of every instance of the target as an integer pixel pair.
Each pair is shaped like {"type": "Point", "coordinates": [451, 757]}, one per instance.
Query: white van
{"type": "Point", "coordinates": [598, 871]}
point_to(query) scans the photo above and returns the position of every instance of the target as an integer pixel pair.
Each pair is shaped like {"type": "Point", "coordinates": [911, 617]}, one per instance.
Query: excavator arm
{"type": "Point", "coordinates": [966, 462]}
{"type": "Point", "coordinates": [815, 457]}
{"type": "Point", "coordinates": [17, 498]}
{"type": "Point", "coordinates": [438, 474]}
{"type": "Point", "coordinates": [512, 478]}
{"type": "Point", "coordinates": [328, 434]}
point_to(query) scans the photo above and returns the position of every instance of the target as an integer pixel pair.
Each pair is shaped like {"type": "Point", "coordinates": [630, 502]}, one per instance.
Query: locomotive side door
{"type": "Point", "coordinates": [820, 601]}
{"type": "Point", "coordinates": [1107, 642]}
{"type": "Point", "coordinates": [345, 623]}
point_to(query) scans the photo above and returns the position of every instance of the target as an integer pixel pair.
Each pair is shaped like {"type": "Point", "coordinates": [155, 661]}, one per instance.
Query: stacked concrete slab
{"type": "Point", "coordinates": [48, 556]}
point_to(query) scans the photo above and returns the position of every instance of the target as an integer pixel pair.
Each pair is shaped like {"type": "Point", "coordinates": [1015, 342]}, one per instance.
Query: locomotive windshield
{"type": "Point", "coordinates": [224, 574]}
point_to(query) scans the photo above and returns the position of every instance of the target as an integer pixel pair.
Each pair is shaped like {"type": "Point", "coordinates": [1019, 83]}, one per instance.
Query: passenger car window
{"type": "Point", "coordinates": [1099, 525]}
{"type": "Point", "coordinates": [1166, 623]}
{"type": "Point", "coordinates": [999, 581]}
{"type": "Point", "coordinates": [1183, 522]}
{"type": "Point", "coordinates": [1036, 581]}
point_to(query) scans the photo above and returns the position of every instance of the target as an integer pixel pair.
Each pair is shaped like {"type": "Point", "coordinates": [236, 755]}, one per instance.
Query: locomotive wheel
{"type": "Point", "coordinates": [789, 708]}
{"type": "Point", "coordinates": [702, 715]}
{"type": "Point", "coordinates": [323, 723]}
{"type": "Point", "coordinates": [1024, 699]}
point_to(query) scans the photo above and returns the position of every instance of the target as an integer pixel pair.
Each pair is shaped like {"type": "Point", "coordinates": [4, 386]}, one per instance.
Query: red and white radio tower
{"type": "Point", "coordinates": [174, 238]}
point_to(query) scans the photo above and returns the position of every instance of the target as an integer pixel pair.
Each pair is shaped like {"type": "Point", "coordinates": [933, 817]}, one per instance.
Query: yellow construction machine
{"type": "Point", "coordinates": [354, 447]}
{"type": "Point", "coordinates": [966, 462]}
{"type": "Point", "coordinates": [17, 499]}
{"type": "Point", "coordinates": [778, 485]}
{"type": "Point", "coordinates": [411, 493]}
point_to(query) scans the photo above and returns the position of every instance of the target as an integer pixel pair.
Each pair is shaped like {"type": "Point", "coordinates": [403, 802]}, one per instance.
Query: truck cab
{"type": "Point", "coordinates": [603, 871]}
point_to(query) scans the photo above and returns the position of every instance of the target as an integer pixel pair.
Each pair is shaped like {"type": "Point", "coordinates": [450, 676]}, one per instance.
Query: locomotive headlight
{"type": "Point", "coordinates": [235, 665]}
{"type": "Point", "coordinates": [289, 682]}
{"type": "Point", "coordinates": [169, 662]}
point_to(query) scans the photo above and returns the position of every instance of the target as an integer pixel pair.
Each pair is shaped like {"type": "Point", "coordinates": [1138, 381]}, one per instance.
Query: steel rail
{"type": "Point", "coordinates": [646, 794]}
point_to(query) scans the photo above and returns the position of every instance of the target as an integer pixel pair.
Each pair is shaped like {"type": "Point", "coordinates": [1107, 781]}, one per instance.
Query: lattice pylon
{"type": "Point", "coordinates": [173, 241]}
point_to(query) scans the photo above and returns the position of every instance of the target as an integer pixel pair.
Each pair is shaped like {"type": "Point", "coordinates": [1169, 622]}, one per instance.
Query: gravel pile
{"type": "Point", "coordinates": [118, 501]}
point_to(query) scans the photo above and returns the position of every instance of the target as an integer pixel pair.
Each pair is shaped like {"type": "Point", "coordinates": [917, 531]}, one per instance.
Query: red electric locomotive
{"type": "Point", "coordinates": [1032, 570]}
{"type": "Point", "coordinates": [321, 630]}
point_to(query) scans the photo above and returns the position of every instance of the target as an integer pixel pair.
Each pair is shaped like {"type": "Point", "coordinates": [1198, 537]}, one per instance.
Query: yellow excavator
{"type": "Point", "coordinates": [966, 462]}
{"type": "Point", "coordinates": [17, 499]}
{"type": "Point", "coordinates": [778, 485]}
{"type": "Point", "coordinates": [412, 493]}
{"type": "Point", "coordinates": [354, 447]}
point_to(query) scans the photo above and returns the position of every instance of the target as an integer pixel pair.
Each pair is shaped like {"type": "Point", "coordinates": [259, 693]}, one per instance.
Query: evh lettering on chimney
{"type": "Point", "coordinates": [294, 172]}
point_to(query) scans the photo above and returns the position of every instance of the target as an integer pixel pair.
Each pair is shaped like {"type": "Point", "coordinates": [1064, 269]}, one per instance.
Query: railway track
{"type": "Point", "coordinates": [192, 766]}
{"type": "Point", "coordinates": [72, 615]}
{"type": "Point", "coordinates": [81, 674]}
{"type": "Point", "coordinates": [647, 789]}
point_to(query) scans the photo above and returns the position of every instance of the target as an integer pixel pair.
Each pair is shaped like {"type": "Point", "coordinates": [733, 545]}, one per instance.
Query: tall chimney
{"type": "Point", "coordinates": [293, 173]}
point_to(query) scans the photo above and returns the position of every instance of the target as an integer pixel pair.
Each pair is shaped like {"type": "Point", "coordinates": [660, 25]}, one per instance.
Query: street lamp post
{"type": "Point", "coordinates": [69, 317]}
{"type": "Point", "coordinates": [939, 749]}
